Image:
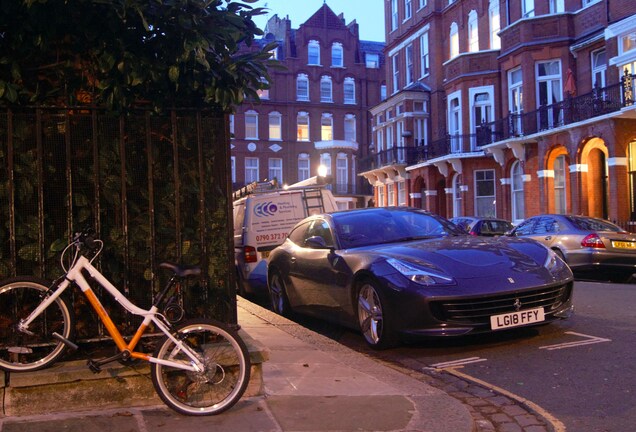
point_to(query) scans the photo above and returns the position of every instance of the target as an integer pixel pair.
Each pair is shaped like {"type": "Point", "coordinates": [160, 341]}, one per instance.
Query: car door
{"type": "Point", "coordinates": [311, 270]}
{"type": "Point", "coordinates": [545, 230]}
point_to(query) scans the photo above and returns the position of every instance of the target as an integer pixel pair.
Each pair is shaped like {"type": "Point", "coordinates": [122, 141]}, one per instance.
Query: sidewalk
{"type": "Point", "coordinates": [310, 384]}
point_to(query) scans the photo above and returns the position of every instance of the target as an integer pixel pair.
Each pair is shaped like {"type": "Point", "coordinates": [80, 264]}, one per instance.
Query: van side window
{"type": "Point", "coordinates": [297, 235]}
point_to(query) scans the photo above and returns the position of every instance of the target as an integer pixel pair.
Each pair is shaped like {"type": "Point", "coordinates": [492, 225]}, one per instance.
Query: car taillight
{"type": "Point", "coordinates": [472, 233]}
{"type": "Point", "coordinates": [592, 241]}
{"type": "Point", "coordinates": [250, 254]}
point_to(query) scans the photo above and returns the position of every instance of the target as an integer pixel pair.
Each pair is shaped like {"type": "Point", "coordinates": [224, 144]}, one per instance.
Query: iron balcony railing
{"type": "Point", "coordinates": [599, 102]}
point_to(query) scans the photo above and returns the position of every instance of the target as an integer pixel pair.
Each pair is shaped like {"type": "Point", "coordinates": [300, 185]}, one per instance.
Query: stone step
{"type": "Point", "coordinates": [71, 386]}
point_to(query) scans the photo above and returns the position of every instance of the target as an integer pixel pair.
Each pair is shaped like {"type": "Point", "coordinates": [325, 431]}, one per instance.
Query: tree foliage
{"type": "Point", "coordinates": [122, 53]}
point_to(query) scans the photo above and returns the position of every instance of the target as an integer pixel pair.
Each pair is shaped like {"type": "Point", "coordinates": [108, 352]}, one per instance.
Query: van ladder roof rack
{"type": "Point", "coordinates": [255, 187]}
{"type": "Point", "coordinates": [312, 197]}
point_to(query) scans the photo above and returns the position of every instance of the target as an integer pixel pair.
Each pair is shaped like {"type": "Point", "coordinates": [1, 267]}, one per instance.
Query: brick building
{"type": "Point", "coordinates": [508, 108]}
{"type": "Point", "coordinates": [316, 111]}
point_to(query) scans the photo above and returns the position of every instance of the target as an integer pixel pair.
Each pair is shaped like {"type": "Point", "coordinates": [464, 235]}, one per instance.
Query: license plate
{"type": "Point", "coordinates": [265, 254]}
{"type": "Point", "coordinates": [515, 319]}
{"type": "Point", "coordinates": [624, 245]}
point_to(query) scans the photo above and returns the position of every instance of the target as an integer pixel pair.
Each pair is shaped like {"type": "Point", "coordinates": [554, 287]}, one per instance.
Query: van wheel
{"type": "Point", "coordinates": [278, 294]}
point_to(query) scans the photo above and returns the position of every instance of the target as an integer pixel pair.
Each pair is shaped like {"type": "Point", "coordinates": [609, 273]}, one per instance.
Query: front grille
{"type": "Point", "coordinates": [478, 310]}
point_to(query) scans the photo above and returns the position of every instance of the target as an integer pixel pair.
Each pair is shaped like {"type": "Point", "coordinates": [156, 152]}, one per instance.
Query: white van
{"type": "Point", "coordinates": [263, 217]}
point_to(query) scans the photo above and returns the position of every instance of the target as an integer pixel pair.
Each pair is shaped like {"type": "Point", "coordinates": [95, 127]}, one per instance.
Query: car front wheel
{"type": "Point", "coordinates": [374, 317]}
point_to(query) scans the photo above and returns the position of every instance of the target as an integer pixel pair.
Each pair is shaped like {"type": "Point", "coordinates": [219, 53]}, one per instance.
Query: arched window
{"type": "Point", "coordinates": [313, 53]}
{"type": "Point", "coordinates": [473, 32]}
{"type": "Point", "coordinates": [518, 196]}
{"type": "Point", "coordinates": [275, 126]}
{"type": "Point", "coordinates": [349, 88]}
{"type": "Point", "coordinates": [302, 87]}
{"type": "Point", "coordinates": [337, 55]}
{"type": "Point", "coordinates": [326, 127]}
{"type": "Point", "coordinates": [302, 126]}
{"type": "Point", "coordinates": [495, 24]}
{"type": "Point", "coordinates": [454, 40]}
{"type": "Point", "coordinates": [326, 89]}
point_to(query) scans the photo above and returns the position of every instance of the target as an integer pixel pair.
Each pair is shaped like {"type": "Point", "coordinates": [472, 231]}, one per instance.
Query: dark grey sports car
{"type": "Point", "coordinates": [403, 272]}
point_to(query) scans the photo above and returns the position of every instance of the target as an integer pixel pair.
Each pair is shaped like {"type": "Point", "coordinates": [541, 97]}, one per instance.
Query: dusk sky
{"type": "Point", "coordinates": [369, 14]}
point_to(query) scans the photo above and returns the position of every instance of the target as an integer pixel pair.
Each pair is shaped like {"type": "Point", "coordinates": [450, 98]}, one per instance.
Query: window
{"type": "Point", "coordinates": [420, 134]}
{"type": "Point", "coordinates": [473, 32]}
{"type": "Point", "coordinates": [275, 126]}
{"type": "Point", "coordinates": [383, 92]}
{"type": "Point", "coordinates": [408, 9]}
{"type": "Point", "coordinates": [276, 169]}
{"type": "Point", "coordinates": [560, 205]}
{"type": "Point", "coordinates": [422, 3]}
{"type": "Point", "coordinates": [337, 55]}
{"type": "Point", "coordinates": [302, 87]}
{"type": "Point", "coordinates": [454, 41]}
{"type": "Point", "coordinates": [381, 202]}
{"type": "Point", "coordinates": [372, 60]}
{"type": "Point", "coordinates": [326, 89]}
{"type": "Point", "coordinates": [455, 121]}
{"type": "Point", "coordinates": [599, 68]}
{"type": "Point", "coordinates": [342, 173]}
{"type": "Point", "coordinates": [527, 8]}
{"type": "Point", "coordinates": [394, 15]}
{"type": "Point", "coordinates": [549, 92]}
{"type": "Point", "coordinates": [232, 125]}
{"type": "Point", "coordinates": [515, 100]}
{"type": "Point", "coordinates": [349, 87]}
{"type": "Point", "coordinates": [302, 125]}
{"type": "Point", "coordinates": [424, 55]}
{"type": "Point", "coordinates": [389, 137]}
{"type": "Point", "coordinates": [251, 170]}
{"type": "Point", "coordinates": [481, 115]}
{"type": "Point", "coordinates": [390, 194]}
{"type": "Point", "coordinates": [233, 166]}
{"type": "Point", "coordinates": [380, 141]}
{"type": "Point", "coordinates": [325, 160]}
{"type": "Point", "coordinates": [350, 127]}
{"type": "Point", "coordinates": [518, 198]}
{"type": "Point", "coordinates": [326, 127]}
{"type": "Point", "coordinates": [313, 53]}
{"type": "Point", "coordinates": [632, 178]}
{"type": "Point", "coordinates": [457, 195]}
{"type": "Point", "coordinates": [485, 193]}
{"type": "Point", "coordinates": [409, 64]}
{"type": "Point", "coordinates": [303, 166]}
{"type": "Point", "coordinates": [396, 73]}
{"type": "Point", "coordinates": [557, 6]}
{"type": "Point", "coordinates": [627, 42]}
{"type": "Point", "coordinates": [495, 24]}
{"type": "Point", "coordinates": [402, 193]}
{"type": "Point", "coordinates": [251, 125]}
{"type": "Point", "coordinates": [264, 92]}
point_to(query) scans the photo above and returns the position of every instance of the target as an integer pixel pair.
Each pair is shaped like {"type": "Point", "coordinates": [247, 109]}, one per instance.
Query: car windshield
{"type": "Point", "coordinates": [368, 227]}
{"type": "Point", "coordinates": [589, 224]}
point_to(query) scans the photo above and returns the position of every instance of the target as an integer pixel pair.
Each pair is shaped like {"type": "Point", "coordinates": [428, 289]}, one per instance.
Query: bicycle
{"type": "Point", "coordinates": [200, 367]}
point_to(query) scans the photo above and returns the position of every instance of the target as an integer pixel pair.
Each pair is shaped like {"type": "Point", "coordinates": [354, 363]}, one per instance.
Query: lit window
{"type": "Point", "coordinates": [495, 24]}
{"type": "Point", "coordinates": [302, 123]}
{"type": "Point", "coordinates": [275, 126]}
{"type": "Point", "coordinates": [473, 32]}
{"type": "Point", "coordinates": [454, 40]}
{"type": "Point", "coordinates": [251, 125]}
{"type": "Point", "coordinates": [264, 92]}
{"type": "Point", "coordinates": [326, 127]}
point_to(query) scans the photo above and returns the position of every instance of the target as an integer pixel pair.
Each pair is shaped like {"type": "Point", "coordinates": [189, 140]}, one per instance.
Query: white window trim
{"type": "Point", "coordinates": [251, 113]}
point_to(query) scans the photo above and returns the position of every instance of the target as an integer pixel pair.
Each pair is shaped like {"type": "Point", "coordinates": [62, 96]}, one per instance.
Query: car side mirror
{"type": "Point", "coordinates": [316, 242]}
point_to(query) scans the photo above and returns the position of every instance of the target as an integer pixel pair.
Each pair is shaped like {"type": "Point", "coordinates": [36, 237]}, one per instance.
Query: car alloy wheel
{"type": "Point", "coordinates": [372, 318]}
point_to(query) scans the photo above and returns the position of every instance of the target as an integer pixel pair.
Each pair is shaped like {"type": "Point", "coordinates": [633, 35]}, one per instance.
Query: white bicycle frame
{"type": "Point", "coordinates": [150, 316]}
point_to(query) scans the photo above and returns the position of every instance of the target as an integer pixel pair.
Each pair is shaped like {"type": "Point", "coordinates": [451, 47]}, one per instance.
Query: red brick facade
{"type": "Point", "coordinates": [538, 120]}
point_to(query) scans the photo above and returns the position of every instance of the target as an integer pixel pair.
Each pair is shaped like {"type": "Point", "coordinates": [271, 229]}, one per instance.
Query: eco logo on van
{"type": "Point", "coordinates": [265, 209]}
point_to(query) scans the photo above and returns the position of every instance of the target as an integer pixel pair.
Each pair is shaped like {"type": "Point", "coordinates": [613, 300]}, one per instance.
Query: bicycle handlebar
{"type": "Point", "coordinates": [86, 238]}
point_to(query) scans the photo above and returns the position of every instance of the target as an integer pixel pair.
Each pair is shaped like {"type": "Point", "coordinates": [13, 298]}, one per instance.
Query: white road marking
{"type": "Point", "coordinates": [588, 340]}
{"type": "Point", "coordinates": [455, 363]}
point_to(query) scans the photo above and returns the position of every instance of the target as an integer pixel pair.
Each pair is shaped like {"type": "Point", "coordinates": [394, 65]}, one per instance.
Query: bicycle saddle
{"type": "Point", "coordinates": [181, 270]}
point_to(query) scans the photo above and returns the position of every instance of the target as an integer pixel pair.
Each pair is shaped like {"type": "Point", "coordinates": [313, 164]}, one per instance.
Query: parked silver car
{"type": "Point", "coordinates": [585, 243]}
{"type": "Point", "coordinates": [483, 226]}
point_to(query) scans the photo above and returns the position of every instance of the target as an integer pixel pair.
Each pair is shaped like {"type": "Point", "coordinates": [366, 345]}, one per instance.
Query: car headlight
{"type": "Point", "coordinates": [553, 263]}
{"type": "Point", "coordinates": [419, 275]}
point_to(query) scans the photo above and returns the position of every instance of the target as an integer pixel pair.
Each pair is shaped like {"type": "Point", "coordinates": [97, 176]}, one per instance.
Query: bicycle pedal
{"type": "Point", "coordinates": [94, 366]}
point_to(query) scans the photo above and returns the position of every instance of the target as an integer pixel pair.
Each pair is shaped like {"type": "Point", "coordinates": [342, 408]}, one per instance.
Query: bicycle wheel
{"type": "Point", "coordinates": [37, 349]}
{"type": "Point", "coordinates": [219, 386]}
